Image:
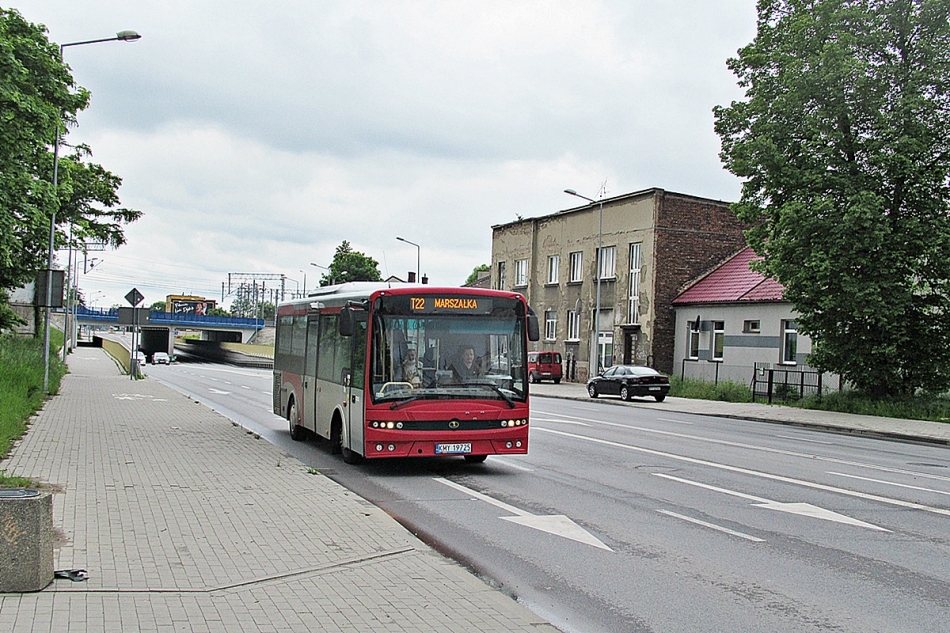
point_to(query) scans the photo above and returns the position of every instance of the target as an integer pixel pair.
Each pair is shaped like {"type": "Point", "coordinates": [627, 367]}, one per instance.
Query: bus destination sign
{"type": "Point", "coordinates": [456, 305]}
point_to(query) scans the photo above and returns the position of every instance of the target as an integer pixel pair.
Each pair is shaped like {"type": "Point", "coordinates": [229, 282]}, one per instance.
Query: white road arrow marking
{"type": "Point", "coordinates": [557, 524]}
{"type": "Point", "coordinates": [803, 509]}
{"type": "Point", "coordinates": [757, 473]}
{"type": "Point", "coordinates": [218, 391]}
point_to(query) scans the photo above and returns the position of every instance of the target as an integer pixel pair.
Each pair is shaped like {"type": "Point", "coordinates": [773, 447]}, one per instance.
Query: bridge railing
{"type": "Point", "coordinates": [111, 315]}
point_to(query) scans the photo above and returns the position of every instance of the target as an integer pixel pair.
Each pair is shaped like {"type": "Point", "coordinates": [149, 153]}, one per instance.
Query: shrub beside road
{"type": "Point", "coordinates": [21, 389]}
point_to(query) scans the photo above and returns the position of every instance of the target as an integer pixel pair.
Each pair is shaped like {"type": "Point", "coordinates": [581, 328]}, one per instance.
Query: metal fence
{"type": "Point", "coordinates": [785, 384]}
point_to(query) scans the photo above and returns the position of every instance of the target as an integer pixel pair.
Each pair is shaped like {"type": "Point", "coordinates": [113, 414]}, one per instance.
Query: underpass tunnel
{"type": "Point", "coordinates": [156, 339]}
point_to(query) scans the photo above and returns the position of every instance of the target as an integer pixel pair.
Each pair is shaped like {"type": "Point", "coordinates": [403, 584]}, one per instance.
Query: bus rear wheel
{"type": "Point", "coordinates": [297, 432]}
{"type": "Point", "coordinates": [475, 459]}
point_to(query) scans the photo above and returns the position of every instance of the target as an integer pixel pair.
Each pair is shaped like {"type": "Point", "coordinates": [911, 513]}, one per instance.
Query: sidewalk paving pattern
{"type": "Point", "coordinates": [187, 522]}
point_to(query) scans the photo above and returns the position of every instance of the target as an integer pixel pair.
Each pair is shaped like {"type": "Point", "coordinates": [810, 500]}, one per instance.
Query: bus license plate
{"type": "Point", "coordinates": [452, 449]}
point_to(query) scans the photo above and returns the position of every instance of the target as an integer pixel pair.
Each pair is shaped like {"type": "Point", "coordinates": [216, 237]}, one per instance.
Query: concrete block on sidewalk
{"type": "Point", "coordinates": [26, 540]}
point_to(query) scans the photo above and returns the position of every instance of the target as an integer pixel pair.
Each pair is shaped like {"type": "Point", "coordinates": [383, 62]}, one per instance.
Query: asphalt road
{"type": "Point", "coordinates": [640, 519]}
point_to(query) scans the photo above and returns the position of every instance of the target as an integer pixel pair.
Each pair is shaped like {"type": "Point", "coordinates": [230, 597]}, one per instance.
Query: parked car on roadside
{"type": "Point", "coordinates": [544, 366]}
{"type": "Point", "coordinates": [160, 358]}
{"type": "Point", "coordinates": [628, 381]}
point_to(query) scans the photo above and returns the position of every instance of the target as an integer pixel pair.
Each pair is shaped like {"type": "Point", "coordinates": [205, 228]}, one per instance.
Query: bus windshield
{"type": "Point", "coordinates": [445, 356]}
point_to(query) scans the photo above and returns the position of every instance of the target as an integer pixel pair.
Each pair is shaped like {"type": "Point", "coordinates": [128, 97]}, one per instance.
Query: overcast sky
{"type": "Point", "coordinates": [256, 137]}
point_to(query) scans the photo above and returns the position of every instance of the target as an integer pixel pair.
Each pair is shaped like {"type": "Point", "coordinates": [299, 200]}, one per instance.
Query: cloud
{"type": "Point", "coordinates": [257, 137]}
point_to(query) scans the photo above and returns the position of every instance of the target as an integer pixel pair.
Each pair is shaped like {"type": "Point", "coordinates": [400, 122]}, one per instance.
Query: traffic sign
{"type": "Point", "coordinates": [134, 297]}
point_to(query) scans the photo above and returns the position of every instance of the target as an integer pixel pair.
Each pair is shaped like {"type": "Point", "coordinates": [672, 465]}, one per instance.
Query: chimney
{"type": "Point", "coordinates": [412, 277]}
{"type": "Point", "coordinates": [425, 279]}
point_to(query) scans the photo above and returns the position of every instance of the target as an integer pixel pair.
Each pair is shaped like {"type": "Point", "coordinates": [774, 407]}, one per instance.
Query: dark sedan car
{"type": "Point", "coordinates": [627, 381]}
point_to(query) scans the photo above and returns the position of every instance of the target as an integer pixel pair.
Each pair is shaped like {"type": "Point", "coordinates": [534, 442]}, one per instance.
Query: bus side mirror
{"type": "Point", "coordinates": [346, 322]}
{"type": "Point", "coordinates": [534, 334]}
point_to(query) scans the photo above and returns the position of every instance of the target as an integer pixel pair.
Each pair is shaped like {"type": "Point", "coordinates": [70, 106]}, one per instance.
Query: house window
{"type": "Point", "coordinates": [501, 276]}
{"type": "Point", "coordinates": [718, 339]}
{"type": "Point", "coordinates": [789, 342]}
{"type": "Point", "coordinates": [608, 262]}
{"type": "Point", "coordinates": [554, 262]}
{"type": "Point", "coordinates": [751, 327]}
{"type": "Point", "coordinates": [521, 272]}
{"type": "Point", "coordinates": [573, 325]}
{"type": "Point", "coordinates": [605, 348]}
{"type": "Point", "coordinates": [633, 303]}
{"type": "Point", "coordinates": [577, 270]}
{"type": "Point", "coordinates": [692, 338]}
{"type": "Point", "coordinates": [550, 325]}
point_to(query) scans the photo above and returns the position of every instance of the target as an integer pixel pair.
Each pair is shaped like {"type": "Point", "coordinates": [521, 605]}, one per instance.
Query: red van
{"type": "Point", "coordinates": [544, 366]}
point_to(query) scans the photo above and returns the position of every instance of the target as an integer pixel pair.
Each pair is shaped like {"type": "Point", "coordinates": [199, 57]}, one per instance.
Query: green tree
{"type": "Point", "coordinates": [843, 142]}
{"type": "Point", "coordinates": [478, 269]}
{"type": "Point", "coordinates": [37, 95]}
{"type": "Point", "coordinates": [157, 306]}
{"type": "Point", "coordinates": [350, 265]}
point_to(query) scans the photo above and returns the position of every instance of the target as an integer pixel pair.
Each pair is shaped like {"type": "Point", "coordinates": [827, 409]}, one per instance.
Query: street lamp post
{"type": "Point", "coordinates": [418, 253]}
{"type": "Point", "coordinates": [121, 36]}
{"type": "Point", "coordinates": [595, 343]}
{"type": "Point", "coordinates": [304, 281]}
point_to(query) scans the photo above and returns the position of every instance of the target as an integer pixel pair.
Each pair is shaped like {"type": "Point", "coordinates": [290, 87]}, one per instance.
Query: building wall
{"type": "Point", "coordinates": [742, 349]}
{"type": "Point", "coordinates": [680, 237]}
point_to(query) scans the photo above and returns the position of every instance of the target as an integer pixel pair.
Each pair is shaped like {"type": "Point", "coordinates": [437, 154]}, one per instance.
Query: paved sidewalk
{"type": "Point", "coordinates": [869, 425]}
{"type": "Point", "coordinates": [186, 522]}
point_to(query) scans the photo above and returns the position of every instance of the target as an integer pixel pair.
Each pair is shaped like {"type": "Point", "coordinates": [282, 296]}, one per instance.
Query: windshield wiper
{"type": "Point", "coordinates": [498, 390]}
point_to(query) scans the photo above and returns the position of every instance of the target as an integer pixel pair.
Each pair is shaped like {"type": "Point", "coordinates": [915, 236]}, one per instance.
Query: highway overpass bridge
{"type": "Point", "coordinates": [158, 332]}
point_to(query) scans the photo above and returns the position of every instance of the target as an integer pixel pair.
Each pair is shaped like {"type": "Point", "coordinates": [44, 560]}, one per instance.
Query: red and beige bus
{"type": "Point", "coordinates": [405, 370]}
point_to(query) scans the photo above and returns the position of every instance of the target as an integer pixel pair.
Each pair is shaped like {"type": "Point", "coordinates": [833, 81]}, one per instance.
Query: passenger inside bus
{"type": "Point", "coordinates": [410, 369]}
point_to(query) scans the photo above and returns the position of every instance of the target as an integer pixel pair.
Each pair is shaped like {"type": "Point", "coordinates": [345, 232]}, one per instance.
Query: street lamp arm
{"type": "Point", "coordinates": [121, 36]}
{"type": "Point", "coordinates": [571, 192]}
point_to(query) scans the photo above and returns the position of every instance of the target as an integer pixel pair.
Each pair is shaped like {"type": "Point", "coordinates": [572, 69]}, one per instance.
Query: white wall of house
{"type": "Point", "coordinates": [742, 343]}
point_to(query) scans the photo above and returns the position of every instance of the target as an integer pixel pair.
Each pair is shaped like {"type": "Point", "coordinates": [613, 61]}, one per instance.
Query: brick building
{"type": "Point", "coordinates": [654, 243]}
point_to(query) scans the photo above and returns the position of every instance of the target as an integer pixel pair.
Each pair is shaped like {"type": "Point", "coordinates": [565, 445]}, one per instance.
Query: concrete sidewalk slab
{"type": "Point", "coordinates": [187, 522]}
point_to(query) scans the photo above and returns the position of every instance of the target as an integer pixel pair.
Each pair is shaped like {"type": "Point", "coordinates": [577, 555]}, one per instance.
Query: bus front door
{"type": "Point", "coordinates": [355, 388]}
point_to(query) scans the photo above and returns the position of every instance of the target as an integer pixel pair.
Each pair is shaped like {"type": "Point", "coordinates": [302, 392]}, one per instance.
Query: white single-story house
{"type": "Point", "coordinates": [733, 323]}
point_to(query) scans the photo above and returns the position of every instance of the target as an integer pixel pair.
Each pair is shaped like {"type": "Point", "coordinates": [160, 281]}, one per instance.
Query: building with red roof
{"type": "Point", "coordinates": [734, 319]}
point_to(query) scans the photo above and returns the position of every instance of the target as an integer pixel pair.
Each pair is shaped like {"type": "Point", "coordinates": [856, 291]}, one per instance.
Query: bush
{"type": "Point", "coordinates": [919, 407]}
{"type": "Point", "coordinates": [724, 391]}
{"type": "Point", "coordinates": [21, 383]}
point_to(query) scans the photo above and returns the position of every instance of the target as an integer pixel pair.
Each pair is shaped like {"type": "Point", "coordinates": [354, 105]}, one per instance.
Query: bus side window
{"type": "Point", "coordinates": [327, 366]}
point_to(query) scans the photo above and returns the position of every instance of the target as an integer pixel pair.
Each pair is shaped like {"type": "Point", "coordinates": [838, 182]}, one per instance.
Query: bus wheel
{"type": "Point", "coordinates": [336, 436]}
{"type": "Point", "coordinates": [297, 432]}
{"type": "Point", "coordinates": [350, 457]}
{"type": "Point", "coordinates": [475, 459]}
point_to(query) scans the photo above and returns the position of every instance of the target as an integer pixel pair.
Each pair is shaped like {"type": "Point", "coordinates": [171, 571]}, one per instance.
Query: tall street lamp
{"type": "Point", "coordinates": [121, 36]}
{"type": "Point", "coordinates": [304, 281]}
{"type": "Point", "coordinates": [418, 251]}
{"type": "Point", "coordinates": [595, 343]}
